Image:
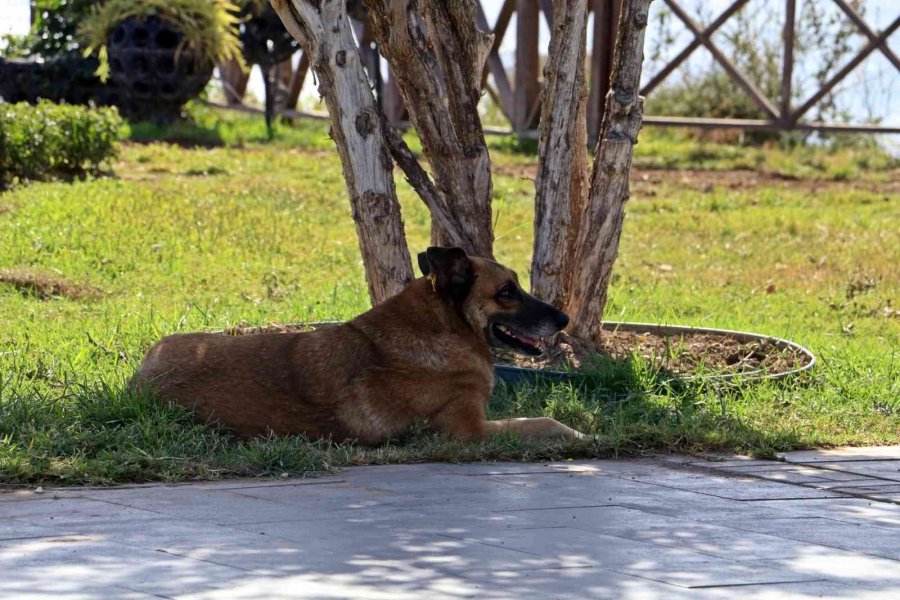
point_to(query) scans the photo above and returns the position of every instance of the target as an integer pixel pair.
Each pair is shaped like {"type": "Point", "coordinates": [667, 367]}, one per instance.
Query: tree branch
{"type": "Point", "coordinates": [323, 30]}
{"type": "Point", "coordinates": [434, 71]}
{"type": "Point", "coordinates": [421, 183]}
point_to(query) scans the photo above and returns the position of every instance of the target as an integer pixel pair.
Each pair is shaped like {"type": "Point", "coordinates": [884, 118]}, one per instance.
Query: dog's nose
{"type": "Point", "coordinates": [562, 319]}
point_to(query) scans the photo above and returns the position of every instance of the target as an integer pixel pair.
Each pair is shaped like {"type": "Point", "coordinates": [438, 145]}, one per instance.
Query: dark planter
{"type": "Point", "coordinates": [66, 78]}
{"type": "Point", "coordinates": [264, 39]}
{"type": "Point", "coordinates": [154, 72]}
{"type": "Point", "coordinates": [265, 42]}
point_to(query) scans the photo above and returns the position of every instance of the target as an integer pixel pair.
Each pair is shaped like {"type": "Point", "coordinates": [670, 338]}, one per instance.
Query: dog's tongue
{"type": "Point", "coordinates": [529, 340]}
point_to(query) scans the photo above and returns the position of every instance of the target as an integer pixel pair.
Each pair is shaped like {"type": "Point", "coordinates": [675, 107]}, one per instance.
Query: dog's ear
{"type": "Point", "coordinates": [423, 264]}
{"type": "Point", "coordinates": [450, 269]}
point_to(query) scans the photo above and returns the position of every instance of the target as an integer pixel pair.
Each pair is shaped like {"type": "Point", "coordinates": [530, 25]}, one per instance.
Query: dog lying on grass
{"type": "Point", "coordinates": [424, 353]}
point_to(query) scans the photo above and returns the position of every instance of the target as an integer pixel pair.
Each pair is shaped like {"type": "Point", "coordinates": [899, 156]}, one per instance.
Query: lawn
{"type": "Point", "coordinates": [796, 243]}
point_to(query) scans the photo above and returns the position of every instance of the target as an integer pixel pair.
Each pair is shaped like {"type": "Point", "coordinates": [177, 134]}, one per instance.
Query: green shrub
{"type": "Point", "coordinates": [47, 140]}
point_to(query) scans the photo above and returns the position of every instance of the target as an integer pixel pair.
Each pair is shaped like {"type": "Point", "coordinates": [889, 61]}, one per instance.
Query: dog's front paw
{"type": "Point", "coordinates": [567, 432]}
{"type": "Point", "coordinates": [577, 435]}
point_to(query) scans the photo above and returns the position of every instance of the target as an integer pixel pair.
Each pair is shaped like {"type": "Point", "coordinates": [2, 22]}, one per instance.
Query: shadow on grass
{"type": "Point", "coordinates": [634, 407]}
{"type": "Point", "coordinates": [204, 127]}
{"type": "Point", "coordinates": [181, 133]}
{"type": "Point", "coordinates": [104, 434]}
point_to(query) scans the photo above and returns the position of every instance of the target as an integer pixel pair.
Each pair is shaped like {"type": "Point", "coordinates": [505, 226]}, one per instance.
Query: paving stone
{"type": "Point", "coordinates": [78, 562]}
{"type": "Point", "coordinates": [499, 493]}
{"type": "Point", "coordinates": [575, 583]}
{"type": "Point", "coordinates": [382, 582]}
{"type": "Point", "coordinates": [865, 539]}
{"type": "Point", "coordinates": [672, 565]}
{"type": "Point", "coordinates": [343, 552]}
{"type": "Point", "coordinates": [728, 487]}
{"type": "Point", "coordinates": [713, 459]}
{"type": "Point", "coordinates": [847, 568]}
{"type": "Point", "coordinates": [736, 463]}
{"type": "Point", "coordinates": [842, 454]}
{"type": "Point", "coordinates": [792, 477]}
{"type": "Point", "coordinates": [893, 497]}
{"type": "Point", "coordinates": [853, 480]}
{"type": "Point", "coordinates": [883, 488]}
{"type": "Point", "coordinates": [208, 505]}
{"type": "Point", "coordinates": [771, 471]}
{"type": "Point", "coordinates": [592, 529]}
{"type": "Point", "coordinates": [19, 495]}
{"type": "Point", "coordinates": [672, 532]}
{"type": "Point", "coordinates": [70, 590]}
{"type": "Point", "coordinates": [637, 488]}
{"type": "Point", "coordinates": [16, 529]}
{"type": "Point", "coordinates": [160, 532]}
{"type": "Point", "coordinates": [603, 584]}
{"type": "Point", "coordinates": [883, 469]}
{"type": "Point", "coordinates": [851, 510]}
{"type": "Point", "coordinates": [63, 512]}
{"type": "Point", "coordinates": [788, 591]}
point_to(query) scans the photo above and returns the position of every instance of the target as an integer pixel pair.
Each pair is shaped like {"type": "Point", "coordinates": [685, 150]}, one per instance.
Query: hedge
{"type": "Point", "coordinates": [48, 140]}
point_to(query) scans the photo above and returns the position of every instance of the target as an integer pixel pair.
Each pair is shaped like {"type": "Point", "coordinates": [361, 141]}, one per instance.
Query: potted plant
{"type": "Point", "coordinates": [160, 53]}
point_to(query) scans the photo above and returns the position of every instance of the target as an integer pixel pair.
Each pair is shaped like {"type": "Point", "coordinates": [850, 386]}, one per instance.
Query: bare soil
{"type": "Point", "coordinates": [687, 354]}
{"type": "Point", "coordinates": [45, 287]}
{"type": "Point", "coordinates": [707, 180]}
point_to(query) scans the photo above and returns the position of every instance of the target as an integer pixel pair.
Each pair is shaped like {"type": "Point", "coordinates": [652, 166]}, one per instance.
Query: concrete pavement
{"type": "Point", "coordinates": [818, 524]}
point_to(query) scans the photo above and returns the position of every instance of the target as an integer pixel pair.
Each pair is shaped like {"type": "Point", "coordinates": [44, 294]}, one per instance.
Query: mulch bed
{"type": "Point", "coordinates": [681, 354]}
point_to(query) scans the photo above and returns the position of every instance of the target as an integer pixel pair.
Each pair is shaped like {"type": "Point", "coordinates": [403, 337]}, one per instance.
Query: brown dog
{"type": "Point", "coordinates": [423, 353]}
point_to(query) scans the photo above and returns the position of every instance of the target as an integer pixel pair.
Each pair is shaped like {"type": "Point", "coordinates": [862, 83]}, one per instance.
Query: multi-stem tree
{"type": "Point", "coordinates": [437, 53]}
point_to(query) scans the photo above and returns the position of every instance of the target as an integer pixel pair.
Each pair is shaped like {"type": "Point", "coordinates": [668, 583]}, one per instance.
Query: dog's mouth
{"type": "Point", "coordinates": [521, 342]}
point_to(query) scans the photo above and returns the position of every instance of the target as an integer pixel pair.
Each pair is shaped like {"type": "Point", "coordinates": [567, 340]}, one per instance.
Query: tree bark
{"type": "Point", "coordinates": [234, 81]}
{"type": "Point", "coordinates": [596, 243]}
{"type": "Point", "coordinates": [562, 179]}
{"type": "Point", "coordinates": [324, 31]}
{"type": "Point", "coordinates": [438, 72]}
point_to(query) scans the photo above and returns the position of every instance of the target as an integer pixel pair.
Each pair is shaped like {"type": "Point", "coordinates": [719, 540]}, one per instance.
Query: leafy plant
{"type": "Point", "coordinates": [37, 142]}
{"type": "Point", "coordinates": [54, 30]}
{"type": "Point", "coordinates": [209, 26]}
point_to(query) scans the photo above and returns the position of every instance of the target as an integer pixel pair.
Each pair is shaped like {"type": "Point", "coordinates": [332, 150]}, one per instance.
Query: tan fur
{"type": "Point", "coordinates": [417, 355]}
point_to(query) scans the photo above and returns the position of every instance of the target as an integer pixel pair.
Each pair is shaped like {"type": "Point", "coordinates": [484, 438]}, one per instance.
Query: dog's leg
{"type": "Point", "coordinates": [540, 427]}
{"type": "Point", "coordinates": [466, 421]}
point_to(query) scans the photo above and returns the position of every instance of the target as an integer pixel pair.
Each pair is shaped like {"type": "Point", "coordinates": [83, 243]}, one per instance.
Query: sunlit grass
{"type": "Point", "coordinates": [185, 239]}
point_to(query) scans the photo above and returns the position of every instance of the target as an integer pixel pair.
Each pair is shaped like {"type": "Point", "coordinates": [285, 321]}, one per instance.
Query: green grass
{"type": "Point", "coordinates": [847, 158]}
{"type": "Point", "coordinates": [184, 239]}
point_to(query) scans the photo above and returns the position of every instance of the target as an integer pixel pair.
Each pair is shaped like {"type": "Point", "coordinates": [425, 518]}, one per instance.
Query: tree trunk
{"type": "Point", "coordinates": [578, 220]}
{"type": "Point", "coordinates": [234, 81]}
{"type": "Point", "coordinates": [438, 72]}
{"type": "Point", "coordinates": [596, 242]}
{"type": "Point", "coordinates": [324, 31]}
{"type": "Point", "coordinates": [562, 178]}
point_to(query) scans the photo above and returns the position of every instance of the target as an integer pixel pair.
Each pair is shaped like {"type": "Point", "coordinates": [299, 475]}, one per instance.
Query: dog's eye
{"type": "Point", "coordinates": [507, 291]}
